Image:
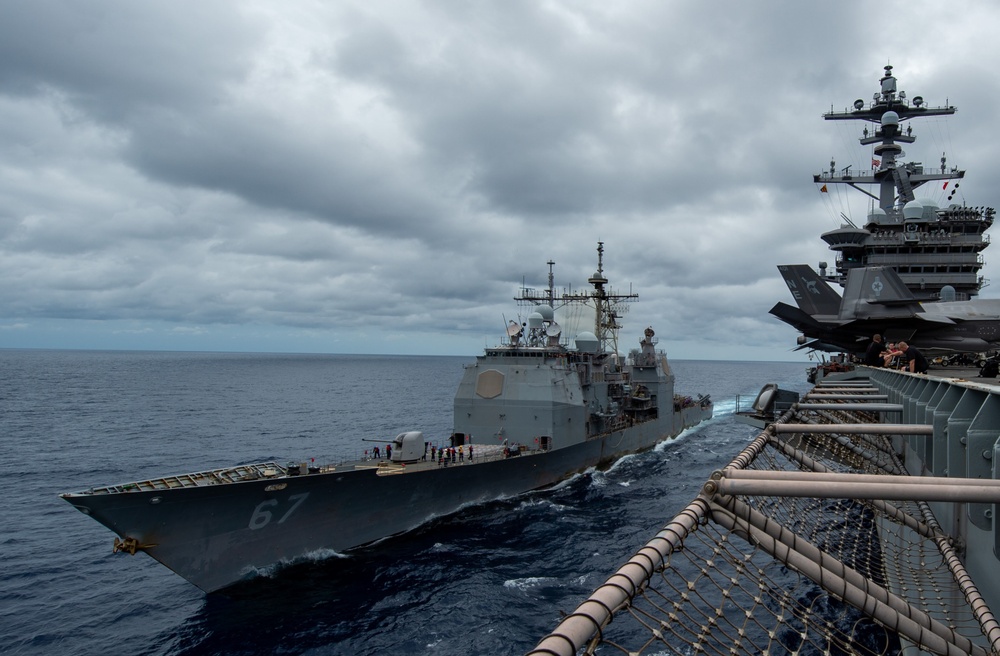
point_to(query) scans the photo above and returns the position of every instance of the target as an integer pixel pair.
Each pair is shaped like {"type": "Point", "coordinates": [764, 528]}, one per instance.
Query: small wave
{"type": "Point", "coordinates": [528, 583]}
{"type": "Point", "coordinates": [566, 482]}
{"type": "Point", "coordinates": [272, 570]}
{"type": "Point", "coordinates": [541, 502]}
{"type": "Point", "coordinates": [726, 408]}
{"type": "Point", "coordinates": [681, 437]}
{"type": "Point", "coordinates": [618, 463]}
{"type": "Point", "coordinates": [605, 478]}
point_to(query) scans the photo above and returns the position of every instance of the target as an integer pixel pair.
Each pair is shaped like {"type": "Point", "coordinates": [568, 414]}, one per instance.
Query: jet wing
{"type": "Point", "coordinates": [795, 317]}
{"type": "Point", "coordinates": [987, 309]}
{"type": "Point", "coordinates": [820, 345]}
{"type": "Point", "coordinates": [937, 318]}
{"type": "Point", "coordinates": [826, 333]}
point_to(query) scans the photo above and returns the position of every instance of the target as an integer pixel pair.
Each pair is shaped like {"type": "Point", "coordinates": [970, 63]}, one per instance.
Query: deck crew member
{"type": "Point", "coordinates": [873, 356]}
{"type": "Point", "coordinates": [890, 354]}
{"type": "Point", "coordinates": [915, 360]}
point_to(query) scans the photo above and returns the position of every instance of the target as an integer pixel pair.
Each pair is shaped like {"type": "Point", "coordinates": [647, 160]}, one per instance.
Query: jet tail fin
{"type": "Point", "coordinates": [811, 293]}
{"type": "Point", "coordinates": [873, 292]}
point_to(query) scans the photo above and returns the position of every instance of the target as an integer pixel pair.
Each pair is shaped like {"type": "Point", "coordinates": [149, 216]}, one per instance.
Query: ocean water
{"type": "Point", "coordinates": [492, 579]}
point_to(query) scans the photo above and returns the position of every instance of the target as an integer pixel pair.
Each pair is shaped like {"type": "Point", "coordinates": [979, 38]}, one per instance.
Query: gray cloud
{"type": "Point", "coordinates": [375, 177]}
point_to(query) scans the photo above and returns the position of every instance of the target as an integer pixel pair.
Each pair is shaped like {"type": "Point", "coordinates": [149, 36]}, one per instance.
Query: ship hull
{"type": "Point", "coordinates": [218, 535]}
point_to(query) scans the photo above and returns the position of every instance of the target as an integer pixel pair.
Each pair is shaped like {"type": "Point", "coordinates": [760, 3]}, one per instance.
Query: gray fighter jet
{"type": "Point", "coordinates": [876, 300]}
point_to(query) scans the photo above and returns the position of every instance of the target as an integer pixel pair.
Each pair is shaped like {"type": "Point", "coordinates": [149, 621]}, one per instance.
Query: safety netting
{"type": "Point", "coordinates": [804, 544]}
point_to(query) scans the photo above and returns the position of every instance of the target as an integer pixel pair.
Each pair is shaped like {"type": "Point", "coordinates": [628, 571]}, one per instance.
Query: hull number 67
{"type": "Point", "coordinates": [266, 510]}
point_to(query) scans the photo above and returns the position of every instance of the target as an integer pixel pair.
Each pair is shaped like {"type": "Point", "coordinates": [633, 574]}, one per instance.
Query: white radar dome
{"type": "Point", "coordinates": [890, 118]}
{"type": "Point", "coordinates": [586, 342]}
{"type": "Point", "coordinates": [548, 314]}
{"type": "Point", "coordinates": [913, 210]}
{"type": "Point", "coordinates": [534, 320]}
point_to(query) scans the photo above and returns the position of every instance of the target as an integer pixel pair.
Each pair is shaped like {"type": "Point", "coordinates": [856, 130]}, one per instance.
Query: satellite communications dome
{"type": "Point", "coordinates": [913, 210]}
{"type": "Point", "coordinates": [586, 342]}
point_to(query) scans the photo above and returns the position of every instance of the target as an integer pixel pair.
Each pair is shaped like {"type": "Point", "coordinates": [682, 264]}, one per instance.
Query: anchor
{"type": "Point", "coordinates": [129, 545]}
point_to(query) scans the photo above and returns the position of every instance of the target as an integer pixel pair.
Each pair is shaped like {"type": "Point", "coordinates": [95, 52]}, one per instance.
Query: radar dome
{"type": "Point", "coordinates": [878, 211]}
{"type": "Point", "coordinates": [948, 293]}
{"type": "Point", "coordinates": [913, 210]}
{"type": "Point", "coordinates": [586, 342]}
{"type": "Point", "coordinates": [890, 118]}
{"type": "Point", "coordinates": [928, 202]}
{"type": "Point", "coordinates": [546, 311]}
{"type": "Point", "coordinates": [534, 320]}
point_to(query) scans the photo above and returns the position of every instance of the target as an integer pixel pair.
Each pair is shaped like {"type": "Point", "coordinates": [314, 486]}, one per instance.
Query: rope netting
{"type": "Point", "coordinates": [800, 573]}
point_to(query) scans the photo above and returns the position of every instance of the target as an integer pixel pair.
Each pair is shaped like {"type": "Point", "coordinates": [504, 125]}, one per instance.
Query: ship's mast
{"type": "Point", "coordinates": [888, 110]}
{"type": "Point", "coordinates": [935, 250]}
{"type": "Point", "coordinates": [552, 283]}
{"type": "Point", "coordinates": [609, 306]}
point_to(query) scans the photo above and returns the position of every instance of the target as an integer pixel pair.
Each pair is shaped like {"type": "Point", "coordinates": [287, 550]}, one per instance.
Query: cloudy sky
{"type": "Point", "coordinates": [380, 177]}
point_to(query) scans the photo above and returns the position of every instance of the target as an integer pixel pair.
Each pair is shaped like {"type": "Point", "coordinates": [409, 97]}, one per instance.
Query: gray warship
{"type": "Point", "coordinates": [527, 414]}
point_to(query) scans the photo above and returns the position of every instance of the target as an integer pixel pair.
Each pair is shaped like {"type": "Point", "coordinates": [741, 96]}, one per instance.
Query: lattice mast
{"type": "Point", "coordinates": [935, 250]}
{"type": "Point", "coordinates": [887, 111]}
{"type": "Point", "coordinates": [609, 305]}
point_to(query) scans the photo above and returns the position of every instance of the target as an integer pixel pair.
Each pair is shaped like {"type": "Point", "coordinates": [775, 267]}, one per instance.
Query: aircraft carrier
{"type": "Point", "coordinates": [863, 518]}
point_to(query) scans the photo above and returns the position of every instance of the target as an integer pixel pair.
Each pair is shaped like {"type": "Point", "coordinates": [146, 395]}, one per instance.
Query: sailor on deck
{"type": "Point", "coordinates": [915, 360]}
{"type": "Point", "coordinates": [873, 356]}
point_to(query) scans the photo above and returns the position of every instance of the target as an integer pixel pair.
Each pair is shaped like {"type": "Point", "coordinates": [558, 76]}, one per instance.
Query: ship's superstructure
{"type": "Point", "coordinates": [534, 385]}
{"type": "Point", "coordinates": [935, 249]}
{"type": "Point", "coordinates": [528, 413]}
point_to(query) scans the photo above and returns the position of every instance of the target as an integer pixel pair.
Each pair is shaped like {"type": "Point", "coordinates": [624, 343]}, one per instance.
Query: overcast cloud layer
{"type": "Point", "coordinates": [379, 177]}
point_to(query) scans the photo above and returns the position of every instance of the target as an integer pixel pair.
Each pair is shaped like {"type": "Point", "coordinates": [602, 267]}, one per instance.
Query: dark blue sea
{"type": "Point", "coordinates": [492, 579]}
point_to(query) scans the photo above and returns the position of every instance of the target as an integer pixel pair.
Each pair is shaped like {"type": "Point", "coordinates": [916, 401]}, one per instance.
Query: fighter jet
{"type": "Point", "coordinates": [876, 300]}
